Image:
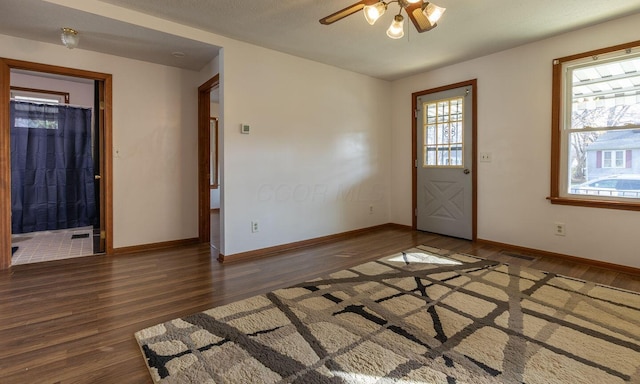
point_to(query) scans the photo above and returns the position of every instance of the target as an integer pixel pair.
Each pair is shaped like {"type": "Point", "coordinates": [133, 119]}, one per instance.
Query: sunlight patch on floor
{"type": "Point", "coordinates": [424, 257]}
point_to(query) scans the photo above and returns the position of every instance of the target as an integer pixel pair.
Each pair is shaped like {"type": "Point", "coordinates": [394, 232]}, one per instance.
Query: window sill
{"type": "Point", "coordinates": [593, 203]}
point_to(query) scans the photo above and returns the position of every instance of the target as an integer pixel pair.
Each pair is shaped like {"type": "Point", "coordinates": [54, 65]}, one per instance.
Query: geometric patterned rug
{"type": "Point", "coordinates": [425, 315]}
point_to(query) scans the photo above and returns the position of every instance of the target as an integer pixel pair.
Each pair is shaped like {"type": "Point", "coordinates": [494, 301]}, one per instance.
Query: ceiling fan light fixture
{"type": "Point", "coordinates": [396, 29]}
{"type": "Point", "coordinates": [373, 12]}
{"type": "Point", "coordinates": [432, 12]}
{"type": "Point", "coordinates": [69, 37]}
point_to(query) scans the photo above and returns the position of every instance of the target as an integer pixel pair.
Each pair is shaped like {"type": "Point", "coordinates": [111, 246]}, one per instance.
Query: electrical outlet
{"type": "Point", "coordinates": [485, 157]}
{"type": "Point", "coordinates": [371, 209]}
{"type": "Point", "coordinates": [559, 229]}
{"type": "Point", "coordinates": [255, 227]}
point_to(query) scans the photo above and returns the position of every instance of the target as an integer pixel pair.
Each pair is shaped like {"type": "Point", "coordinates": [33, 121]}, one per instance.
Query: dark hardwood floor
{"type": "Point", "coordinates": [72, 321]}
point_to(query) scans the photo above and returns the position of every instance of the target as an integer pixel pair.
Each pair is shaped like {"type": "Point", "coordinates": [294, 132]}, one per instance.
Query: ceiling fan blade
{"type": "Point", "coordinates": [419, 20]}
{"type": "Point", "coordinates": [350, 10]}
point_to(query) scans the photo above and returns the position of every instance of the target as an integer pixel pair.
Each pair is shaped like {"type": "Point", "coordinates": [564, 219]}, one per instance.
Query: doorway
{"type": "Point", "coordinates": [208, 165]}
{"type": "Point", "coordinates": [101, 232]}
{"type": "Point", "coordinates": [444, 152]}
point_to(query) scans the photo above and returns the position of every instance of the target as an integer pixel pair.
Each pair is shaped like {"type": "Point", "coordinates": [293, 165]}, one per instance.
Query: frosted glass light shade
{"type": "Point", "coordinates": [69, 38]}
{"type": "Point", "coordinates": [373, 12]}
{"type": "Point", "coordinates": [433, 12]}
{"type": "Point", "coordinates": [396, 29]}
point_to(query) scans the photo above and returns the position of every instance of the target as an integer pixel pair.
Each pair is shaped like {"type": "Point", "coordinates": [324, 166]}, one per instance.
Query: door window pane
{"type": "Point", "coordinates": [443, 133]}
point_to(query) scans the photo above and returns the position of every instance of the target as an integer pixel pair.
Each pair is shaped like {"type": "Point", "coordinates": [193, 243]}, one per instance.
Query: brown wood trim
{"type": "Point", "coordinates": [217, 177]}
{"type": "Point", "coordinates": [107, 158]}
{"type": "Point", "coordinates": [474, 150]}
{"type": "Point", "coordinates": [271, 251]}
{"type": "Point", "coordinates": [592, 203]}
{"type": "Point", "coordinates": [414, 157]}
{"type": "Point", "coordinates": [600, 51]}
{"type": "Point", "coordinates": [5, 152]}
{"type": "Point", "coordinates": [204, 150]}
{"type": "Point", "coordinates": [557, 101]}
{"type": "Point", "coordinates": [573, 259]}
{"type": "Point", "coordinates": [5, 168]}
{"type": "Point", "coordinates": [155, 246]}
{"type": "Point", "coordinates": [44, 91]}
{"type": "Point", "coordinates": [474, 162]}
{"type": "Point", "coordinates": [58, 70]}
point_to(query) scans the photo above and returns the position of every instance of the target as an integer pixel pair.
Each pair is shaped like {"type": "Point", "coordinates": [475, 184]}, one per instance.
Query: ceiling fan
{"type": "Point", "coordinates": [422, 13]}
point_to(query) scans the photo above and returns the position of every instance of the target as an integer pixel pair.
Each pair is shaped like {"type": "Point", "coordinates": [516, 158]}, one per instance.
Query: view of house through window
{"type": "Point", "coordinates": [600, 135]}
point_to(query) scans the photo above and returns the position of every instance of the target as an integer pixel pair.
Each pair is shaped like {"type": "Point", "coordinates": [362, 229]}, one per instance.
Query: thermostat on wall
{"type": "Point", "coordinates": [245, 128]}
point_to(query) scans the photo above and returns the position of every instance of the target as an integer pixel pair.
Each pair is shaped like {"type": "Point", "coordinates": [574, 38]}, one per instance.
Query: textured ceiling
{"type": "Point", "coordinates": [469, 28]}
{"type": "Point", "coordinates": [41, 21]}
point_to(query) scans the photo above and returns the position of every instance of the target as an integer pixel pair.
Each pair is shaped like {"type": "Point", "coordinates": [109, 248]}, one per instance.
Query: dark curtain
{"type": "Point", "coordinates": [51, 167]}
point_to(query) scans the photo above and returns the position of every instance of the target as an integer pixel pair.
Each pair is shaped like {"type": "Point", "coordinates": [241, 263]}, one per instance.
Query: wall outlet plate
{"type": "Point", "coordinates": [485, 157]}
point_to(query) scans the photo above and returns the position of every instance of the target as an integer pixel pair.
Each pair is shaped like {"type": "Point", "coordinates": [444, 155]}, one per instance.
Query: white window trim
{"type": "Point", "coordinates": [614, 157]}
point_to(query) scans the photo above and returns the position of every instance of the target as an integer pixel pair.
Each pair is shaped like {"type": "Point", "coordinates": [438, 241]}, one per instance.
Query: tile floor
{"type": "Point", "coordinates": [51, 245]}
{"type": "Point", "coordinates": [54, 245]}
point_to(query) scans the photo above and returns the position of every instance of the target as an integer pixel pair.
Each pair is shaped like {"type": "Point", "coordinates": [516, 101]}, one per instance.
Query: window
{"type": "Point", "coordinates": [28, 115]}
{"type": "Point", "coordinates": [40, 108]}
{"type": "Point", "coordinates": [39, 95]}
{"type": "Point", "coordinates": [596, 128]}
{"type": "Point", "coordinates": [613, 159]}
{"type": "Point", "coordinates": [442, 145]}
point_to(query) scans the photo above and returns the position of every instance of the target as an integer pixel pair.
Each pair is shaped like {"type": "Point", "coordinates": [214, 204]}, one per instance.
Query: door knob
{"type": "Point", "coordinates": [97, 177]}
{"type": "Point", "coordinates": [466, 171]}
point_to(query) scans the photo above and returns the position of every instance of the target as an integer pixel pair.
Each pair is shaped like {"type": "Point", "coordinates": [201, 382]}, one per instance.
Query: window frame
{"type": "Point", "coordinates": [558, 101]}
{"type": "Point", "coordinates": [55, 96]}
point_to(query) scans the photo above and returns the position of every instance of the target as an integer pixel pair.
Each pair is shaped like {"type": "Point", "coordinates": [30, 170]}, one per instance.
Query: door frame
{"type": "Point", "coordinates": [6, 65]}
{"type": "Point", "coordinates": [204, 158]}
{"type": "Point", "coordinates": [474, 150]}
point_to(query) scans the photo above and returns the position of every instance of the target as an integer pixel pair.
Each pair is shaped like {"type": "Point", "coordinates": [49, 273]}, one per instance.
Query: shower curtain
{"type": "Point", "coordinates": [52, 179]}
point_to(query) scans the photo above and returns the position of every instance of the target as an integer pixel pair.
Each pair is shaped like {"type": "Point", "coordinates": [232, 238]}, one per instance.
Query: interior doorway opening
{"type": "Point", "coordinates": [93, 225]}
{"type": "Point", "coordinates": [208, 166]}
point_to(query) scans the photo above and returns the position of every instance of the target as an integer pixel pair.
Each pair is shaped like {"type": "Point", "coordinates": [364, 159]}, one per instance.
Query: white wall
{"type": "Point", "coordinates": [317, 156]}
{"type": "Point", "coordinates": [155, 134]}
{"type": "Point", "coordinates": [514, 117]}
{"type": "Point", "coordinates": [316, 160]}
{"type": "Point", "coordinates": [80, 92]}
{"type": "Point", "coordinates": [325, 146]}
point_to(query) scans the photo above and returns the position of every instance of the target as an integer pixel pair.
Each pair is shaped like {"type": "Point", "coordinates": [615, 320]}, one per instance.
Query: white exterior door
{"type": "Point", "coordinates": [444, 163]}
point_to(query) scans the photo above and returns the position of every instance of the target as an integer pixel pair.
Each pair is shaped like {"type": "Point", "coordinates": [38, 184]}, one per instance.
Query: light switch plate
{"type": "Point", "coordinates": [245, 128]}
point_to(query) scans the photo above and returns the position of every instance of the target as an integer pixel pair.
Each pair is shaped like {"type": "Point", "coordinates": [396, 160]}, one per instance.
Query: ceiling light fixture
{"type": "Point", "coordinates": [432, 12]}
{"type": "Point", "coordinates": [422, 13]}
{"type": "Point", "coordinates": [69, 37]}
{"type": "Point", "coordinates": [396, 29]}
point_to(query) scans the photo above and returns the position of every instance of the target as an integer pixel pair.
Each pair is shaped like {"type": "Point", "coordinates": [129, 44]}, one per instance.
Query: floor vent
{"type": "Point", "coordinates": [519, 256]}
{"type": "Point", "coordinates": [80, 236]}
